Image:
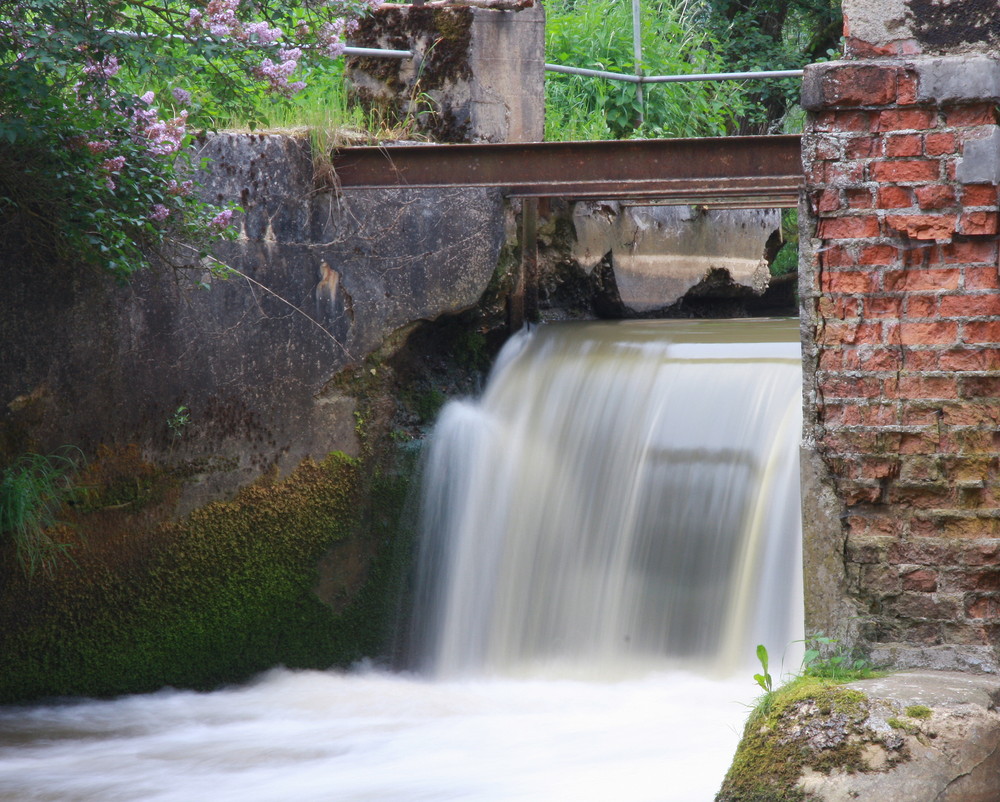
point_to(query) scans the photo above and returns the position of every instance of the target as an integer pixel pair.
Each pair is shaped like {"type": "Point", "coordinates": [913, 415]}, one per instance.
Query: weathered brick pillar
{"type": "Point", "coordinates": [901, 326]}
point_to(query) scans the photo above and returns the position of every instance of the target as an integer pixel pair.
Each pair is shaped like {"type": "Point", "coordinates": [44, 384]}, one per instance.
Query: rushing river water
{"type": "Point", "coordinates": [609, 532]}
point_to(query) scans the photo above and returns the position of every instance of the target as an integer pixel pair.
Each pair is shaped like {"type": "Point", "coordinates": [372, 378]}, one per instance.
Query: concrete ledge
{"type": "Point", "coordinates": [946, 726]}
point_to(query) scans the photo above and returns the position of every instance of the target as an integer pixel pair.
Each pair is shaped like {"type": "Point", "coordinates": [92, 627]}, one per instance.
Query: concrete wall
{"type": "Point", "coordinates": [327, 279]}
{"type": "Point", "coordinates": [901, 327]}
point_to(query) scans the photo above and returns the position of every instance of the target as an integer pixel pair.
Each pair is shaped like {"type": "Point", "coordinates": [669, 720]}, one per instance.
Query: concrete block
{"type": "Point", "coordinates": [958, 79]}
{"type": "Point", "coordinates": [478, 75]}
{"type": "Point", "coordinates": [980, 162]}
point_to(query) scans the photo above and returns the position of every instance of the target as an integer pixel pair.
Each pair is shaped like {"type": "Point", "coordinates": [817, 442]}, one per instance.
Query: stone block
{"type": "Point", "coordinates": [478, 74]}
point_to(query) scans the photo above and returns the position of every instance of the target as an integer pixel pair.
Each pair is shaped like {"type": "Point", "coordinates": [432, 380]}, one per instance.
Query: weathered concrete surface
{"type": "Point", "coordinates": [660, 252]}
{"type": "Point", "coordinates": [478, 74]}
{"type": "Point", "coordinates": [904, 27]}
{"type": "Point", "coordinates": [953, 754]}
{"type": "Point", "coordinates": [323, 282]}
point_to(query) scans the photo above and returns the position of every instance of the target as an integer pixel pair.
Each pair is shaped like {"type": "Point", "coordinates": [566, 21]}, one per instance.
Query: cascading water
{"type": "Point", "coordinates": [622, 493]}
{"type": "Point", "coordinates": [609, 533]}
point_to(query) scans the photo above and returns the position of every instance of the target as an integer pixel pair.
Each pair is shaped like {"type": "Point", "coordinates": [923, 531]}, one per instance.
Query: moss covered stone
{"type": "Point", "coordinates": [808, 726]}
{"type": "Point", "coordinates": [227, 592]}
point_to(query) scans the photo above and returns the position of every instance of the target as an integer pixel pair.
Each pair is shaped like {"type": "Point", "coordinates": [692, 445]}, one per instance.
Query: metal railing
{"type": "Point", "coordinates": [662, 79]}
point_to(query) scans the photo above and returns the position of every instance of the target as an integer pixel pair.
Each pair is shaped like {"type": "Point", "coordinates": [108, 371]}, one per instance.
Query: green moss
{"type": "Point", "coordinates": [918, 711]}
{"type": "Point", "coordinates": [212, 599]}
{"type": "Point", "coordinates": [808, 723]}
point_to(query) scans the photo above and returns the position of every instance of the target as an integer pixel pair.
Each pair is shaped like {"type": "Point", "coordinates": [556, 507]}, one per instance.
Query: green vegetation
{"type": "Point", "coordinates": [826, 720]}
{"type": "Point", "coordinates": [229, 591]}
{"type": "Point", "coordinates": [597, 34]}
{"type": "Point", "coordinates": [811, 721]}
{"type": "Point", "coordinates": [827, 658]}
{"type": "Point", "coordinates": [773, 35]}
{"type": "Point", "coordinates": [32, 493]}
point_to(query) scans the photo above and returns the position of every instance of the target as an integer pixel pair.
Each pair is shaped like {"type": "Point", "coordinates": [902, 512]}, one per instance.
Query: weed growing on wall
{"type": "Point", "coordinates": [32, 492]}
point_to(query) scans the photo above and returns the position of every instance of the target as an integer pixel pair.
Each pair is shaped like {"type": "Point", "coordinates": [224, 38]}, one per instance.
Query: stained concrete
{"type": "Point", "coordinates": [660, 252]}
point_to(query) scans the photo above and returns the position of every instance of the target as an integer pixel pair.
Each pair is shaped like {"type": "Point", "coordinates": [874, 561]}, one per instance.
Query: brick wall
{"type": "Point", "coordinates": [901, 311]}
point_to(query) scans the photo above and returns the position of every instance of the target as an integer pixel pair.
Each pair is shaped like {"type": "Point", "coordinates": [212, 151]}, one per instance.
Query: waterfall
{"type": "Point", "coordinates": [622, 495]}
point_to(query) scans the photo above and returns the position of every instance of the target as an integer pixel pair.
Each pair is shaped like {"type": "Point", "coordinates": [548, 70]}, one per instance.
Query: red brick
{"type": "Point", "coordinates": [870, 415]}
{"type": "Point", "coordinates": [921, 306]}
{"type": "Point", "coordinates": [921, 254]}
{"type": "Point", "coordinates": [883, 306]}
{"type": "Point", "coordinates": [878, 255]}
{"type": "Point", "coordinates": [970, 359]}
{"type": "Point", "coordinates": [863, 147]}
{"type": "Point", "coordinates": [890, 197]}
{"type": "Point", "coordinates": [940, 143]}
{"type": "Point", "coordinates": [848, 227]}
{"type": "Point", "coordinates": [978, 223]}
{"type": "Point", "coordinates": [850, 332]}
{"type": "Point", "coordinates": [839, 386]}
{"type": "Point", "coordinates": [987, 331]}
{"type": "Point", "coordinates": [969, 252]}
{"type": "Point", "coordinates": [919, 443]}
{"type": "Point", "coordinates": [927, 387]}
{"type": "Point", "coordinates": [980, 387]}
{"type": "Point", "coordinates": [879, 468]}
{"type": "Point", "coordinates": [983, 607]}
{"type": "Point", "coordinates": [852, 85]}
{"type": "Point", "coordinates": [935, 196]}
{"type": "Point", "coordinates": [841, 174]}
{"type": "Point", "coordinates": [872, 360]}
{"type": "Point", "coordinates": [853, 121]}
{"type": "Point", "coordinates": [836, 256]}
{"type": "Point", "coordinates": [918, 280]}
{"type": "Point", "coordinates": [906, 120]}
{"type": "Point", "coordinates": [858, 197]}
{"type": "Point", "coordinates": [904, 145]}
{"type": "Point", "coordinates": [969, 414]}
{"type": "Point", "coordinates": [920, 413]}
{"type": "Point", "coordinates": [970, 305]}
{"type": "Point", "coordinates": [935, 332]}
{"type": "Point", "coordinates": [906, 88]}
{"type": "Point", "coordinates": [923, 226]}
{"type": "Point", "coordinates": [975, 114]}
{"type": "Point", "coordinates": [847, 281]}
{"type": "Point", "coordinates": [921, 580]}
{"type": "Point", "coordinates": [828, 200]}
{"type": "Point", "coordinates": [982, 278]}
{"type": "Point", "coordinates": [979, 195]}
{"type": "Point", "coordinates": [859, 48]}
{"type": "Point", "coordinates": [904, 170]}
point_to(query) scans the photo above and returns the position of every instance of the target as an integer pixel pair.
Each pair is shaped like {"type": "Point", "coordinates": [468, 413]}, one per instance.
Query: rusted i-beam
{"type": "Point", "coordinates": [723, 171]}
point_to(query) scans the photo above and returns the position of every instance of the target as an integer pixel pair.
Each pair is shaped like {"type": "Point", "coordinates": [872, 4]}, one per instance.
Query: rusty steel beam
{"type": "Point", "coordinates": [726, 171]}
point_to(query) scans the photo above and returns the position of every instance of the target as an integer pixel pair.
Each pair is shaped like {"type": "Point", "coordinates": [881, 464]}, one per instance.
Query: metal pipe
{"type": "Point", "coordinates": [637, 53]}
{"type": "Point", "coordinates": [611, 76]}
{"type": "Point", "coordinates": [661, 79]}
{"type": "Point", "coordinates": [374, 52]}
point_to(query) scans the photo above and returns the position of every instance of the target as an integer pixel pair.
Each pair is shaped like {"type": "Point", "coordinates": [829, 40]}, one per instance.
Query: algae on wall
{"type": "Point", "coordinates": [214, 598]}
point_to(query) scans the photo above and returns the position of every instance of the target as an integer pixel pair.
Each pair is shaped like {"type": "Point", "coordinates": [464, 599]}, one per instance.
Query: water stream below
{"type": "Point", "coordinates": [609, 532]}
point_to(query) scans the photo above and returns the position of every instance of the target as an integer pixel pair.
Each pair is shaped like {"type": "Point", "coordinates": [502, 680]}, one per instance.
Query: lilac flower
{"type": "Point", "coordinates": [159, 213]}
{"type": "Point", "coordinates": [106, 68]}
{"type": "Point", "coordinates": [99, 147]}
{"type": "Point", "coordinates": [181, 96]}
{"type": "Point", "coordinates": [113, 165]}
{"type": "Point", "coordinates": [222, 220]}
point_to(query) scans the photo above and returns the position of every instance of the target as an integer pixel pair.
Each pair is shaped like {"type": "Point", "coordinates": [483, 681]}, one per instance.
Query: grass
{"type": "Point", "coordinates": [32, 492]}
